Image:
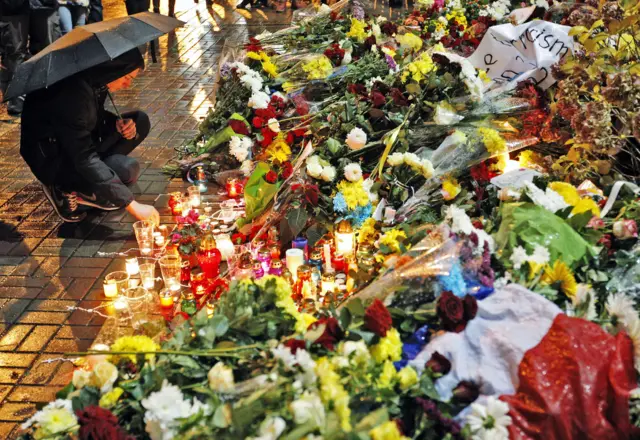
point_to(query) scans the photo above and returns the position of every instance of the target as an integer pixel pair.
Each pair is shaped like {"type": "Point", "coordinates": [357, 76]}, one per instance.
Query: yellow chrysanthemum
{"type": "Point", "coordinates": [450, 189]}
{"type": "Point", "coordinates": [419, 69]}
{"type": "Point", "coordinates": [410, 41]}
{"type": "Point", "coordinates": [568, 192]}
{"type": "Point", "coordinates": [534, 269]}
{"type": "Point", "coordinates": [367, 232]}
{"type": "Point", "coordinates": [284, 301]}
{"type": "Point", "coordinates": [332, 392]}
{"type": "Point", "coordinates": [389, 347]}
{"type": "Point", "coordinates": [561, 274]}
{"type": "Point", "coordinates": [388, 375]}
{"type": "Point", "coordinates": [354, 193]}
{"type": "Point", "coordinates": [482, 74]}
{"type": "Point", "coordinates": [318, 68]}
{"type": "Point", "coordinates": [278, 151]}
{"type": "Point", "coordinates": [270, 68]}
{"type": "Point", "coordinates": [496, 146]}
{"type": "Point", "coordinates": [387, 431]}
{"type": "Point", "coordinates": [254, 56]}
{"type": "Point", "coordinates": [110, 399]}
{"type": "Point", "coordinates": [586, 204]}
{"type": "Point", "coordinates": [138, 343]}
{"type": "Point", "coordinates": [408, 378]}
{"type": "Point", "coordinates": [357, 30]}
{"type": "Point", "coordinates": [391, 239]}
{"type": "Point", "coordinates": [459, 16]}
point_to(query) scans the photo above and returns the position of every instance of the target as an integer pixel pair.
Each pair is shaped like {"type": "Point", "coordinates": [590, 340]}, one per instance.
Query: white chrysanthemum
{"type": "Point", "coordinates": [460, 221]}
{"type": "Point", "coordinates": [308, 409]}
{"type": "Point", "coordinates": [259, 100]}
{"type": "Point", "coordinates": [375, 29]}
{"type": "Point", "coordinates": [238, 148]}
{"type": "Point", "coordinates": [427, 169]}
{"type": "Point", "coordinates": [304, 360]}
{"type": "Point", "coordinates": [274, 125]}
{"type": "Point", "coordinates": [221, 378]}
{"type": "Point", "coordinates": [353, 172]}
{"type": "Point", "coordinates": [518, 257]}
{"type": "Point", "coordinates": [632, 327]}
{"type": "Point", "coordinates": [284, 355]}
{"type": "Point", "coordinates": [368, 185]}
{"type": "Point", "coordinates": [540, 255]}
{"type": "Point", "coordinates": [356, 138]}
{"type": "Point", "coordinates": [395, 159]}
{"type": "Point", "coordinates": [328, 173]}
{"type": "Point", "coordinates": [490, 421]}
{"type": "Point", "coordinates": [271, 428]}
{"type": "Point", "coordinates": [314, 169]}
{"type": "Point", "coordinates": [621, 307]}
{"type": "Point", "coordinates": [413, 160]}
{"type": "Point", "coordinates": [41, 416]}
{"type": "Point", "coordinates": [247, 167]}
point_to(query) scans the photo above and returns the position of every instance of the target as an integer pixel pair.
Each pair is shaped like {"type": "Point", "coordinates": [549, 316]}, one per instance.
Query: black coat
{"type": "Point", "coordinates": [61, 126]}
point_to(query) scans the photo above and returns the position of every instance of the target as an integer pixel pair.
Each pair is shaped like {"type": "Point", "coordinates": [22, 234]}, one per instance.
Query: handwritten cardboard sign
{"type": "Point", "coordinates": [514, 53]}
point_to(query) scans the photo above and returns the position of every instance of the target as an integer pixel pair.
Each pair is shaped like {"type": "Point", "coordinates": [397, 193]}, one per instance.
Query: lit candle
{"type": "Point", "coordinates": [110, 289]}
{"type": "Point", "coordinates": [295, 259]}
{"type": "Point", "coordinates": [328, 284]}
{"type": "Point", "coordinates": [158, 238]}
{"type": "Point", "coordinates": [327, 258]}
{"type": "Point", "coordinates": [194, 196]}
{"type": "Point", "coordinates": [166, 299]}
{"type": "Point", "coordinates": [233, 188]}
{"type": "Point", "coordinates": [132, 266]}
{"type": "Point", "coordinates": [344, 238]}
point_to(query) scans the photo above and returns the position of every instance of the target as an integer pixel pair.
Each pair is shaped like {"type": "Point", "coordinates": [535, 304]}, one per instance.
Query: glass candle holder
{"type": "Point", "coordinates": [175, 203]}
{"type": "Point", "coordinates": [115, 283]}
{"type": "Point", "coordinates": [328, 283]}
{"type": "Point", "coordinates": [304, 287]}
{"type": "Point", "coordinates": [234, 188]}
{"type": "Point", "coordinates": [344, 239]}
{"type": "Point", "coordinates": [148, 275]}
{"type": "Point", "coordinates": [294, 258]}
{"type": "Point", "coordinates": [199, 285]}
{"type": "Point", "coordinates": [274, 249]}
{"type": "Point", "coordinates": [185, 272]}
{"type": "Point", "coordinates": [201, 179]}
{"type": "Point", "coordinates": [301, 243]}
{"type": "Point", "coordinates": [275, 268]}
{"type": "Point", "coordinates": [211, 308]}
{"type": "Point", "coordinates": [258, 271]}
{"type": "Point", "coordinates": [132, 266]}
{"type": "Point", "coordinates": [140, 303]}
{"type": "Point", "coordinates": [144, 236]}
{"type": "Point", "coordinates": [245, 268]}
{"type": "Point", "coordinates": [166, 298]}
{"type": "Point", "coordinates": [171, 267]}
{"type": "Point", "coordinates": [194, 196]}
{"type": "Point", "coordinates": [264, 258]}
{"type": "Point", "coordinates": [158, 239]}
{"type": "Point", "coordinates": [209, 256]}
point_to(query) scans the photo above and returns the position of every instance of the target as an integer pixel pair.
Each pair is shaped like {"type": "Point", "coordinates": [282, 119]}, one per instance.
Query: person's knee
{"type": "Point", "coordinates": [143, 124]}
{"type": "Point", "coordinates": [127, 168]}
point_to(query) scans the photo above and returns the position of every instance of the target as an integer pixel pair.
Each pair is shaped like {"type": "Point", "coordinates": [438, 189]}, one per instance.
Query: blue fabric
{"type": "Point", "coordinates": [413, 346]}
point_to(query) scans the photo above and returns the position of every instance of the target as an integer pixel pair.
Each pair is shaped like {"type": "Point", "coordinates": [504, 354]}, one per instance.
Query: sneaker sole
{"type": "Point", "coordinates": [81, 217]}
{"type": "Point", "coordinates": [84, 202]}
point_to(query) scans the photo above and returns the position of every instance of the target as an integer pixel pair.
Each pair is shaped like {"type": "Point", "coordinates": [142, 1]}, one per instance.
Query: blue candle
{"type": "Point", "coordinates": [301, 243]}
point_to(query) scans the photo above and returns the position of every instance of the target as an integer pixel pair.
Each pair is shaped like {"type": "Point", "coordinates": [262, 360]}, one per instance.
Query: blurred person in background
{"type": "Point", "coordinates": [72, 13]}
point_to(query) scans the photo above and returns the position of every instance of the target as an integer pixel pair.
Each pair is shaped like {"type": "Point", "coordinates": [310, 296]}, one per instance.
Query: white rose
{"type": "Point", "coordinates": [81, 378]}
{"type": "Point", "coordinates": [328, 173]}
{"type": "Point", "coordinates": [356, 139]}
{"type": "Point", "coordinates": [238, 148]}
{"type": "Point", "coordinates": [272, 428]}
{"type": "Point", "coordinates": [313, 159]}
{"type": "Point", "coordinates": [358, 349]}
{"type": "Point", "coordinates": [395, 159]}
{"type": "Point", "coordinates": [427, 169]}
{"type": "Point", "coordinates": [274, 125]}
{"type": "Point", "coordinates": [308, 409]}
{"type": "Point", "coordinates": [367, 185]}
{"type": "Point", "coordinates": [353, 172]}
{"type": "Point", "coordinates": [412, 160]}
{"type": "Point", "coordinates": [103, 376]}
{"type": "Point", "coordinates": [221, 378]}
{"type": "Point", "coordinates": [375, 29]}
{"type": "Point", "coordinates": [314, 170]}
{"type": "Point", "coordinates": [258, 100]}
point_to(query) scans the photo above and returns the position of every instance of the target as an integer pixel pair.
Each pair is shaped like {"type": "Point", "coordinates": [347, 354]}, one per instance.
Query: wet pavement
{"type": "Point", "coordinates": [46, 267]}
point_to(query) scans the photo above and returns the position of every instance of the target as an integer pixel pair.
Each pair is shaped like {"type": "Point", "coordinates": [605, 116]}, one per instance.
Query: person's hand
{"type": "Point", "coordinates": [144, 212]}
{"type": "Point", "coordinates": [127, 128]}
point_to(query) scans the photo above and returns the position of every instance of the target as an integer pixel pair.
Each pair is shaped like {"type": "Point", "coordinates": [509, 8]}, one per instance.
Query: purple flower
{"type": "Point", "coordinates": [225, 70]}
{"type": "Point", "coordinates": [391, 62]}
{"type": "Point", "coordinates": [357, 10]}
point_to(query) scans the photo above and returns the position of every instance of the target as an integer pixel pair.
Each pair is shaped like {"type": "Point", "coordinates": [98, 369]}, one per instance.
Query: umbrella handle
{"type": "Point", "coordinates": [114, 105]}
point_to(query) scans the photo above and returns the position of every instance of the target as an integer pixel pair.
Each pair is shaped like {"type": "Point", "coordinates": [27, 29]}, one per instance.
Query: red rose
{"type": "Point", "coordinates": [258, 122]}
{"type": "Point", "coordinates": [466, 392]}
{"type": "Point", "coordinates": [357, 89]}
{"type": "Point", "coordinates": [451, 312]}
{"type": "Point", "coordinates": [295, 345]}
{"type": "Point", "coordinates": [287, 170]}
{"type": "Point", "coordinates": [369, 42]}
{"type": "Point", "coordinates": [438, 364]}
{"type": "Point", "coordinates": [267, 136]}
{"type": "Point", "coordinates": [378, 99]}
{"type": "Point", "coordinates": [266, 113]}
{"type": "Point", "coordinates": [99, 424]}
{"type": "Point", "coordinates": [238, 238]}
{"type": "Point", "coordinates": [378, 319]}
{"type": "Point", "coordinates": [470, 308]}
{"type": "Point", "coordinates": [398, 98]}
{"type": "Point", "coordinates": [331, 334]}
{"type": "Point", "coordinates": [238, 127]}
{"type": "Point", "coordinates": [290, 138]}
{"type": "Point", "coordinates": [271, 177]}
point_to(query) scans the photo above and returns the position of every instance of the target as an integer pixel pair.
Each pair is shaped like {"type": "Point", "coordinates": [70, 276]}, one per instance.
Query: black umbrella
{"type": "Point", "coordinates": [88, 46]}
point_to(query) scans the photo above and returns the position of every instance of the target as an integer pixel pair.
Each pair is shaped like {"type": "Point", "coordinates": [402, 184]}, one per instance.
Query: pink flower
{"type": "Point", "coordinates": [624, 229]}
{"type": "Point", "coordinates": [595, 223]}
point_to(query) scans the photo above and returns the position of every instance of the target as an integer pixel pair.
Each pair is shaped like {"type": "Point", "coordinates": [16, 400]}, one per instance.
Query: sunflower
{"type": "Point", "coordinates": [560, 274]}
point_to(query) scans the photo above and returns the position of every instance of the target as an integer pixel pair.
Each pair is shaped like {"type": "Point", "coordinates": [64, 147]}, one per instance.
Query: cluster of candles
{"type": "Point", "coordinates": [317, 274]}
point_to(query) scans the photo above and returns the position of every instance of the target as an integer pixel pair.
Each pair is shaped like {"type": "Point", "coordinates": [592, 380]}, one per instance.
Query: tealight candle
{"type": "Point", "coordinates": [110, 289]}
{"type": "Point", "coordinates": [114, 283]}
{"type": "Point", "coordinates": [295, 259]}
{"type": "Point", "coordinates": [344, 238]}
{"type": "Point", "coordinates": [194, 196]}
{"type": "Point", "coordinates": [132, 266]}
{"type": "Point", "coordinates": [166, 299]}
{"type": "Point", "coordinates": [158, 238]}
{"type": "Point", "coordinates": [234, 188]}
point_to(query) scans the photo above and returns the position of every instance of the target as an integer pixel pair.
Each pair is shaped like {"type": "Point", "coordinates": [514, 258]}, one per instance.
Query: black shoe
{"type": "Point", "coordinates": [64, 204]}
{"type": "Point", "coordinates": [14, 108]}
{"type": "Point", "coordinates": [93, 201]}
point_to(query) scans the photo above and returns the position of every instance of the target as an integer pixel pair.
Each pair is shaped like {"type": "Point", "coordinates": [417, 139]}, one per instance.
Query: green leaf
{"type": "Point", "coordinates": [345, 318]}
{"type": "Point", "coordinates": [356, 307]}
{"type": "Point", "coordinates": [88, 396]}
{"type": "Point", "coordinates": [221, 324]}
{"type": "Point", "coordinates": [333, 146]}
{"type": "Point", "coordinates": [221, 417]}
{"type": "Point", "coordinates": [427, 387]}
{"type": "Point", "coordinates": [297, 219]}
{"type": "Point", "coordinates": [63, 393]}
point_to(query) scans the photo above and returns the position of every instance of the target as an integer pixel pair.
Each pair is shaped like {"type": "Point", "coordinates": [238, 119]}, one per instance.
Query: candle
{"type": "Point", "coordinates": [194, 196]}
{"type": "Point", "coordinates": [110, 289]}
{"type": "Point", "coordinates": [344, 239]}
{"type": "Point", "coordinates": [327, 258]}
{"type": "Point", "coordinates": [132, 266]}
{"type": "Point", "coordinates": [328, 284]}
{"type": "Point", "coordinates": [301, 243]}
{"type": "Point", "coordinates": [158, 238]}
{"type": "Point", "coordinates": [234, 188]}
{"type": "Point", "coordinates": [225, 246]}
{"type": "Point", "coordinates": [166, 299]}
{"type": "Point", "coordinates": [295, 259]}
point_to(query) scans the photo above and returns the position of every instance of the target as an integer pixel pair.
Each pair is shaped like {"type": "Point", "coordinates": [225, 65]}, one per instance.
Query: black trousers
{"type": "Point", "coordinates": [23, 35]}
{"type": "Point", "coordinates": [113, 150]}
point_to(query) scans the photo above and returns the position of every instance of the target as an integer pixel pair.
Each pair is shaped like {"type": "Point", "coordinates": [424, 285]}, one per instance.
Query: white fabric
{"type": "Point", "coordinates": [488, 352]}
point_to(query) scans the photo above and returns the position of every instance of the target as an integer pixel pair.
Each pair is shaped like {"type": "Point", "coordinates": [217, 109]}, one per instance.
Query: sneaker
{"type": "Point", "coordinates": [15, 105]}
{"type": "Point", "coordinates": [64, 204]}
{"type": "Point", "coordinates": [93, 202]}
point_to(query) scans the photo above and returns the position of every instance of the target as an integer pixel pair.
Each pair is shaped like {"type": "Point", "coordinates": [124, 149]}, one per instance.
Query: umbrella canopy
{"type": "Point", "coordinates": [88, 46]}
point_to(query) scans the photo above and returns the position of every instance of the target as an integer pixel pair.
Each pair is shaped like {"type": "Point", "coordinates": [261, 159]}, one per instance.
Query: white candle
{"type": "Point", "coordinates": [295, 259]}
{"type": "Point", "coordinates": [344, 243]}
{"type": "Point", "coordinates": [132, 266]}
{"type": "Point", "coordinates": [327, 258]}
{"type": "Point", "coordinates": [149, 284]}
{"type": "Point", "coordinates": [110, 290]}
{"type": "Point", "coordinates": [225, 246]}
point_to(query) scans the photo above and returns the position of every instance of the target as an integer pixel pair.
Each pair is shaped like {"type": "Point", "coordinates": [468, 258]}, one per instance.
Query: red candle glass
{"type": "Point", "coordinates": [234, 188]}
{"type": "Point", "coordinates": [175, 203]}
{"type": "Point", "coordinates": [199, 284]}
{"type": "Point", "coordinates": [209, 257]}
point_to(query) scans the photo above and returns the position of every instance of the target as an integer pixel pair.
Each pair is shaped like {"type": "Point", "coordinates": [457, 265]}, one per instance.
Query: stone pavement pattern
{"type": "Point", "coordinates": [47, 266]}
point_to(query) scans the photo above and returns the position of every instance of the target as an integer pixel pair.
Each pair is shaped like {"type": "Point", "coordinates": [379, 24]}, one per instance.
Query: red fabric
{"type": "Point", "coordinates": [574, 384]}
